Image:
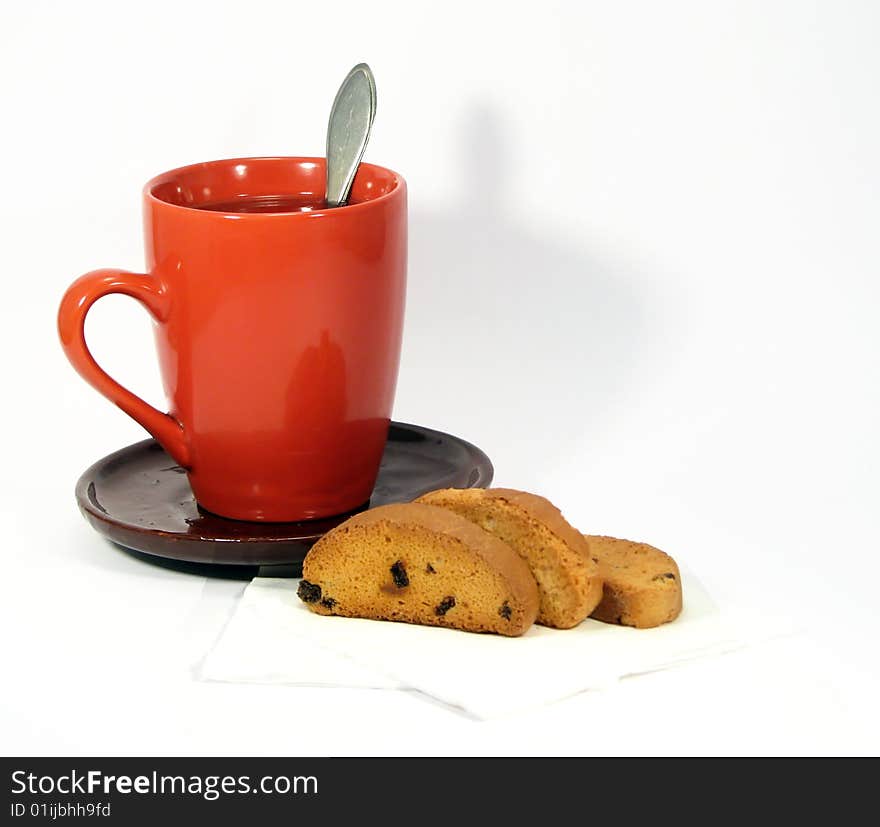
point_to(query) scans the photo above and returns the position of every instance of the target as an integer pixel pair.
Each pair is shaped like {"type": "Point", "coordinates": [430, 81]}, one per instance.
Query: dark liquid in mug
{"type": "Point", "coordinates": [266, 203]}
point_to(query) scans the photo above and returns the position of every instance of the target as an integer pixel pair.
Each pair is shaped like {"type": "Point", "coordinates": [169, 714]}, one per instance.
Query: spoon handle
{"type": "Point", "coordinates": [348, 131]}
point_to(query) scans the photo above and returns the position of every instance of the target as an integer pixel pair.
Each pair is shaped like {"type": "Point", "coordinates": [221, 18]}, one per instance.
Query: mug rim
{"type": "Point", "coordinates": [399, 185]}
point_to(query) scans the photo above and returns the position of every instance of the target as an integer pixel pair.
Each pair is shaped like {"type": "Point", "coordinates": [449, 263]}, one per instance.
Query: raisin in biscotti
{"type": "Point", "coordinates": [568, 579]}
{"type": "Point", "coordinates": [642, 584]}
{"type": "Point", "coordinates": [419, 564]}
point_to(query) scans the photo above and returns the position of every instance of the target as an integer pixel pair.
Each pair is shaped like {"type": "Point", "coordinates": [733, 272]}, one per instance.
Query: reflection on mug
{"type": "Point", "coordinates": [324, 437]}
{"type": "Point", "coordinates": [319, 373]}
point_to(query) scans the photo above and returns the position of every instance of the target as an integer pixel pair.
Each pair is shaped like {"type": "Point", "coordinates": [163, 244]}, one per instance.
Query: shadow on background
{"type": "Point", "coordinates": [520, 331]}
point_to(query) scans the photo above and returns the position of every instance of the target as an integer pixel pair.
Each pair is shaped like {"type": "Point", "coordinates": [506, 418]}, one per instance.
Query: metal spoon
{"type": "Point", "coordinates": [348, 131]}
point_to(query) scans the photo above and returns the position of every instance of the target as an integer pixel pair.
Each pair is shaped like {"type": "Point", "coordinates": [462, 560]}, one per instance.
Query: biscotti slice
{"type": "Point", "coordinates": [419, 564]}
{"type": "Point", "coordinates": [558, 556]}
{"type": "Point", "coordinates": [642, 584]}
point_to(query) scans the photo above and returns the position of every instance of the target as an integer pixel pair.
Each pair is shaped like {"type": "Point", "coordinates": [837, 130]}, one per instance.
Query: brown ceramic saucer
{"type": "Point", "coordinates": [138, 497]}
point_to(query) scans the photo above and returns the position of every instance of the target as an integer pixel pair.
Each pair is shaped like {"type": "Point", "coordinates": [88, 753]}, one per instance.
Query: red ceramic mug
{"type": "Point", "coordinates": [278, 333]}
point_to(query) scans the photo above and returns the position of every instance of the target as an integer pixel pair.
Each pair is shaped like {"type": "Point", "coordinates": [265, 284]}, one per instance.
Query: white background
{"type": "Point", "coordinates": [643, 277]}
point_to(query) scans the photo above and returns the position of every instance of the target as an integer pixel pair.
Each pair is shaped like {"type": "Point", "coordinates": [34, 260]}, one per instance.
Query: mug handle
{"type": "Point", "coordinates": [77, 301]}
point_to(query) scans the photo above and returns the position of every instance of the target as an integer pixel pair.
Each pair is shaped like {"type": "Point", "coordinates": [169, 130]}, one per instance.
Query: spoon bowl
{"type": "Point", "coordinates": [348, 132]}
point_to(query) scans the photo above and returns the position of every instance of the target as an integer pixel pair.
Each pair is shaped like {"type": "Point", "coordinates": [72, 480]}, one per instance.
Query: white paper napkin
{"type": "Point", "coordinates": [273, 638]}
{"type": "Point", "coordinates": [267, 640]}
